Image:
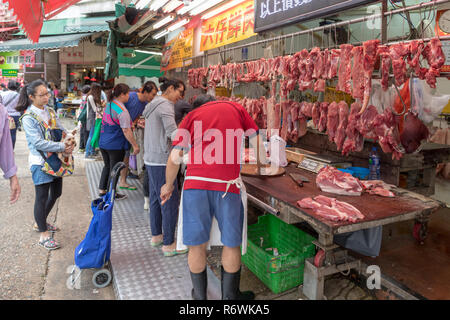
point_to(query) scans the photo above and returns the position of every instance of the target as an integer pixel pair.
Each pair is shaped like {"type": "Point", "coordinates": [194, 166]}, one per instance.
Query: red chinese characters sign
{"type": "Point", "coordinates": [231, 26]}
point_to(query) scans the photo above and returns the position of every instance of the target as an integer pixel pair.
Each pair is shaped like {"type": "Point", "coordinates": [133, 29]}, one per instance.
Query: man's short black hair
{"type": "Point", "coordinates": [13, 85]}
{"type": "Point", "coordinates": [201, 100]}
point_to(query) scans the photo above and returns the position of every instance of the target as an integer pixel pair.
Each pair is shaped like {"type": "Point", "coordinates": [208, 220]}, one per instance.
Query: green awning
{"type": "Point", "coordinates": [53, 42]}
{"type": "Point", "coordinates": [128, 61]}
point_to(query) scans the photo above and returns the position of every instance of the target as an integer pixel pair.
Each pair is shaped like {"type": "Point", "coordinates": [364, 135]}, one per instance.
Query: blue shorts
{"type": "Point", "coordinates": [199, 207]}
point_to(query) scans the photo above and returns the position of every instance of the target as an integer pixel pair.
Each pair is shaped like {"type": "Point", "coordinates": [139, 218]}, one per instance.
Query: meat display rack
{"type": "Point", "coordinates": [333, 26]}
{"type": "Point", "coordinates": [278, 196]}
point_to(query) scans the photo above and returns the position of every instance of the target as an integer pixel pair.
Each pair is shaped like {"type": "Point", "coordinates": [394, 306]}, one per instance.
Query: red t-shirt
{"type": "Point", "coordinates": [213, 134]}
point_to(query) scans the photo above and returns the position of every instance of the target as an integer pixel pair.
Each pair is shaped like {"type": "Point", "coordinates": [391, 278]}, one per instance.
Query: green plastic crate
{"type": "Point", "coordinates": [285, 271]}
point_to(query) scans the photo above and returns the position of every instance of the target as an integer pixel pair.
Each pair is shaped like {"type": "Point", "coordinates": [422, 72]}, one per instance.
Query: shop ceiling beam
{"type": "Point", "coordinates": [340, 24]}
{"type": "Point", "coordinates": [146, 17]}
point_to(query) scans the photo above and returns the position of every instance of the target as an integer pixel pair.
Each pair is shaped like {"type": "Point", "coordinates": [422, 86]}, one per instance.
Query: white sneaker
{"type": "Point", "coordinates": [146, 203]}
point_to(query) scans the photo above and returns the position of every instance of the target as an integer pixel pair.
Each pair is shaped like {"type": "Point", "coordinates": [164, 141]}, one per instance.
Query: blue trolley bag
{"type": "Point", "coordinates": [94, 251]}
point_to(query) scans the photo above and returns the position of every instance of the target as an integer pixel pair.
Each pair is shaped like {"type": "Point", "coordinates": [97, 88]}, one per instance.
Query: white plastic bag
{"type": "Point", "coordinates": [382, 99]}
{"type": "Point", "coordinates": [425, 103]}
{"type": "Point", "coordinates": [277, 149]}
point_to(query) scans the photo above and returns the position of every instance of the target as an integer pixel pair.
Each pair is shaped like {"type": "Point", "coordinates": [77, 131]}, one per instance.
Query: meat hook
{"type": "Point", "coordinates": [403, 102]}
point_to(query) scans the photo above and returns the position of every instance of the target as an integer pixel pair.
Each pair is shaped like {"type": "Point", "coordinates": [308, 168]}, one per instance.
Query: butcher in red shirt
{"type": "Point", "coordinates": [212, 136]}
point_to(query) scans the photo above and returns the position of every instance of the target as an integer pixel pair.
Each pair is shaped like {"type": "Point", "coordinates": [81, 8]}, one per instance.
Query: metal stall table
{"type": "Point", "coordinates": [278, 195]}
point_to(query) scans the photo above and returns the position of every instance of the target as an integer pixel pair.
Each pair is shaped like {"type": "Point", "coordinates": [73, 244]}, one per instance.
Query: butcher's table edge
{"type": "Point", "coordinates": [293, 214]}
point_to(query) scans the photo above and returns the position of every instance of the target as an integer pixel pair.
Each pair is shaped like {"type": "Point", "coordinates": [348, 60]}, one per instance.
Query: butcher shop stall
{"type": "Point", "coordinates": [348, 97]}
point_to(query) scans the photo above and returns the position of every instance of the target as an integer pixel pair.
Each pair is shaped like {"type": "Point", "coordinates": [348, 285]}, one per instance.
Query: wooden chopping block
{"type": "Point", "coordinates": [255, 170]}
{"type": "Point", "coordinates": [293, 156]}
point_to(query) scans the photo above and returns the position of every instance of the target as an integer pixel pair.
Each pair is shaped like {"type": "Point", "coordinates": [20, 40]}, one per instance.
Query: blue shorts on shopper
{"type": "Point", "coordinates": [199, 207]}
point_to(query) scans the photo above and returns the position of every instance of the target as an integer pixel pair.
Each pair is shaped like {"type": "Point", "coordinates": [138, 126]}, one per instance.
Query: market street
{"type": "Point", "coordinates": [28, 271]}
{"type": "Point", "coordinates": [224, 150]}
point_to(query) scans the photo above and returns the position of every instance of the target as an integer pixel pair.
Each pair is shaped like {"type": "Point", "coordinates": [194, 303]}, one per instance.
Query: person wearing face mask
{"type": "Point", "coordinates": [159, 127]}
{"type": "Point", "coordinates": [135, 106]}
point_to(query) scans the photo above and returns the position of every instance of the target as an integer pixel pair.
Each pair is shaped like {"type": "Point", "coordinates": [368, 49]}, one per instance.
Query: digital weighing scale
{"type": "Point", "coordinates": [314, 163]}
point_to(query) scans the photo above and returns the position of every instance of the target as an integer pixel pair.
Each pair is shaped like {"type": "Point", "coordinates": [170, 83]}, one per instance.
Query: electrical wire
{"type": "Point", "coordinates": [411, 25]}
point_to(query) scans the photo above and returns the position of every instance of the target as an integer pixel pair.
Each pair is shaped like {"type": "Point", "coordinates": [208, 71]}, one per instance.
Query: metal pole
{"type": "Point", "coordinates": [383, 22]}
{"type": "Point", "coordinates": [339, 24]}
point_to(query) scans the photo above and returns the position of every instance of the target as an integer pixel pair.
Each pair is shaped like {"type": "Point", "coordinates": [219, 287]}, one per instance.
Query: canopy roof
{"type": "Point", "coordinates": [52, 42]}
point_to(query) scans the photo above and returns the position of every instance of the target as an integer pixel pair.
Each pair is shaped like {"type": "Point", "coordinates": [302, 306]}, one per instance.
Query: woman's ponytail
{"type": "Point", "coordinates": [24, 101]}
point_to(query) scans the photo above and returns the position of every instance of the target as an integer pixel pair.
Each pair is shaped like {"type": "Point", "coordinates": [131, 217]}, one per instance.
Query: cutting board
{"type": "Point", "coordinates": [252, 170]}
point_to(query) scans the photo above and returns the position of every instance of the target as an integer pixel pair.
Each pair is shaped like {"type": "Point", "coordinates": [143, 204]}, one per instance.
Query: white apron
{"type": "Point", "coordinates": [214, 238]}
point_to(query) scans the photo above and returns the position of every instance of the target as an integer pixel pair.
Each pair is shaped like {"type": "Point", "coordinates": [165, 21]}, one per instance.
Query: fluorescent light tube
{"type": "Point", "coordinates": [142, 4]}
{"type": "Point", "coordinates": [173, 4]}
{"type": "Point", "coordinates": [158, 4]}
{"type": "Point", "coordinates": [177, 25]}
{"type": "Point", "coordinates": [149, 52]}
{"type": "Point", "coordinates": [160, 34]}
{"type": "Point", "coordinates": [145, 31]}
{"type": "Point", "coordinates": [54, 50]}
{"type": "Point", "coordinates": [191, 6]}
{"type": "Point", "coordinates": [163, 22]}
{"type": "Point", "coordinates": [203, 7]}
{"type": "Point", "coordinates": [221, 9]}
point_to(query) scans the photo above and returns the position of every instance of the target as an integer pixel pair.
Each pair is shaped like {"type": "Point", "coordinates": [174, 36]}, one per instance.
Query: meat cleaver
{"type": "Point", "coordinates": [298, 179]}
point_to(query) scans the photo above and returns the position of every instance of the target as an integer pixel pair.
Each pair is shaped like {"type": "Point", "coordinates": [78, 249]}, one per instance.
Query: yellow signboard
{"type": "Point", "coordinates": [178, 49]}
{"type": "Point", "coordinates": [231, 26]}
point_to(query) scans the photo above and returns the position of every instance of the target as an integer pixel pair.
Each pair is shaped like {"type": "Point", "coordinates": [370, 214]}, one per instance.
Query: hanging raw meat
{"type": "Point", "coordinates": [414, 131]}
{"type": "Point", "coordinates": [319, 85]}
{"type": "Point", "coordinates": [383, 52]}
{"type": "Point", "coordinates": [365, 122]}
{"type": "Point", "coordinates": [305, 68]}
{"type": "Point", "coordinates": [332, 120]}
{"type": "Point", "coordinates": [435, 58]}
{"type": "Point", "coordinates": [273, 113]}
{"type": "Point", "coordinates": [416, 48]}
{"type": "Point", "coordinates": [434, 53]}
{"type": "Point", "coordinates": [358, 73]}
{"type": "Point", "coordinates": [286, 121]}
{"type": "Point", "coordinates": [316, 114]}
{"type": "Point", "coordinates": [323, 116]}
{"type": "Point", "coordinates": [306, 109]}
{"type": "Point", "coordinates": [333, 63]}
{"type": "Point", "coordinates": [354, 140]}
{"type": "Point", "coordinates": [326, 56]}
{"type": "Point", "coordinates": [316, 59]}
{"type": "Point", "coordinates": [386, 129]}
{"type": "Point", "coordinates": [398, 52]}
{"type": "Point", "coordinates": [343, 120]}
{"type": "Point", "coordinates": [370, 49]}
{"type": "Point", "coordinates": [345, 69]}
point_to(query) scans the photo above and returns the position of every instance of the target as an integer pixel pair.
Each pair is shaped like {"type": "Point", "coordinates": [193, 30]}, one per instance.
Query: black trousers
{"type": "Point", "coordinates": [84, 134]}
{"type": "Point", "coordinates": [110, 158]}
{"type": "Point", "coordinates": [46, 196]}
